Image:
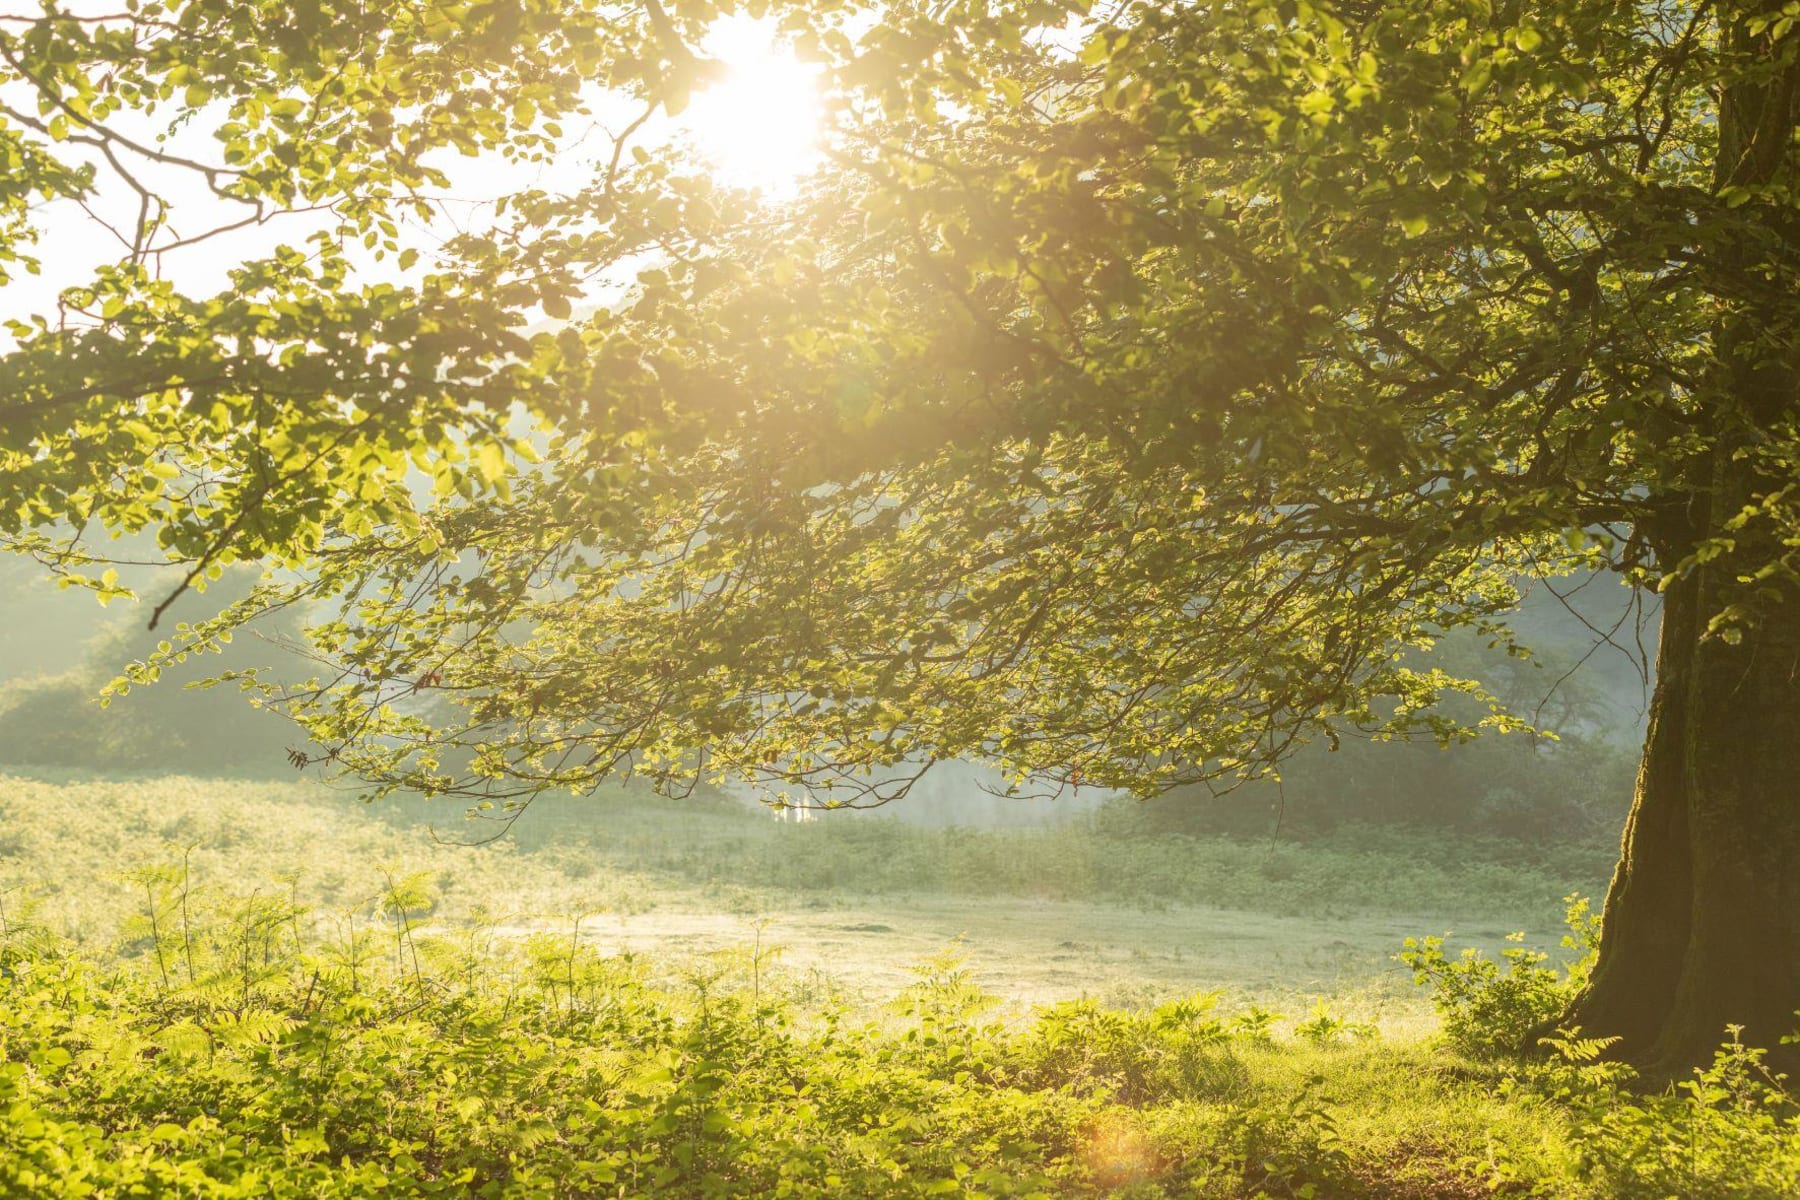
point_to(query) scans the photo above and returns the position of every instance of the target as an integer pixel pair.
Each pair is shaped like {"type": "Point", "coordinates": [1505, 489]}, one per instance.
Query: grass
{"type": "Point", "coordinates": [1094, 908]}
{"type": "Point", "coordinates": [614, 843]}
{"type": "Point", "coordinates": [1109, 857]}
{"type": "Point", "coordinates": [227, 989]}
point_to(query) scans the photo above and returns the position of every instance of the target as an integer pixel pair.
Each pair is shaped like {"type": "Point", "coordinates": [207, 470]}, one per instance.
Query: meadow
{"type": "Point", "coordinates": [1096, 904]}
{"type": "Point", "coordinates": [227, 988]}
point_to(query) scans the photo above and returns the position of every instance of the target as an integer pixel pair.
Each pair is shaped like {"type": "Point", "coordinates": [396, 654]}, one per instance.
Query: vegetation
{"type": "Point", "coordinates": [227, 1040]}
{"type": "Point", "coordinates": [54, 718]}
{"type": "Point", "coordinates": [1112, 859]}
{"type": "Point", "coordinates": [65, 837]}
{"type": "Point", "coordinates": [1490, 1009]}
{"type": "Point", "coordinates": [1129, 391]}
{"type": "Point", "coordinates": [330, 1070]}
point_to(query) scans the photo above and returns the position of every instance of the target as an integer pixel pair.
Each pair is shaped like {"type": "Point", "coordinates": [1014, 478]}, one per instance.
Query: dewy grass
{"type": "Point", "coordinates": [276, 997]}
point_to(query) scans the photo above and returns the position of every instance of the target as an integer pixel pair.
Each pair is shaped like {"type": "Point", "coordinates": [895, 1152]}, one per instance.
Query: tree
{"type": "Point", "coordinates": [1130, 395]}
{"type": "Point", "coordinates": [240, 349]}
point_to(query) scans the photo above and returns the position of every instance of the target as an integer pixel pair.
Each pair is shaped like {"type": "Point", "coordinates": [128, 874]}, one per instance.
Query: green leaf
{"type": "Point", "coordinates": [490, 461]}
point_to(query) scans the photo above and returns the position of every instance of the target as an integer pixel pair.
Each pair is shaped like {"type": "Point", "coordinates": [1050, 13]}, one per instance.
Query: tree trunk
{"type": "Point", "coordinates": [1743, 772]}
{"type": "Point", "coordinates": [1702, 923]}
{"type": "Point", "coordinates": [1631, 992]}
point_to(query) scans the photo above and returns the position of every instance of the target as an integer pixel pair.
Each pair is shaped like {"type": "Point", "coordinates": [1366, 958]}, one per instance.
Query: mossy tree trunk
{"type": "Point", "coordinates": [1702, 923]}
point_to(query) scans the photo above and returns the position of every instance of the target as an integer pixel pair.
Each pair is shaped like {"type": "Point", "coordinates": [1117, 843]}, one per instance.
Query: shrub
{"type": "Point", "coordinates": [1730, 1133]}
{"type": "Point", "coordinates": [1488, 1009]}
{"type": "Point", "coordinates": [1129, 1055]}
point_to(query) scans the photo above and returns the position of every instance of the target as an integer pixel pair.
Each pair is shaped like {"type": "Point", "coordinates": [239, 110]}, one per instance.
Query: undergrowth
{"type": "Point", "coordinates": [237, 1045]}
{"type": "Point", "coordinates": [1493, 1008]}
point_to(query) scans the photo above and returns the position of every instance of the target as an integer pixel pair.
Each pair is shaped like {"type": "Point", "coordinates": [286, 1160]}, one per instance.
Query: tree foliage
{"type": "Point", "coordinates": [1136, 387]}
{"type": "Point", "coordinates": [290, 407]}
{"type": "Point", "coordinates": [1128, 394]}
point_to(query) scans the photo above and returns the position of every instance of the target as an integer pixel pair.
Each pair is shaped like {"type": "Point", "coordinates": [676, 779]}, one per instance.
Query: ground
{"type": "Point", "coordinates": [235, 989]}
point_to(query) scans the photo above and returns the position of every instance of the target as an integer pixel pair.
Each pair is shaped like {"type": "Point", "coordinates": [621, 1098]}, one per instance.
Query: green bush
{"type": "Point", "coordinates": [1730, 1133]}
{"type": "Point", "coordinates": [1491, 1010]}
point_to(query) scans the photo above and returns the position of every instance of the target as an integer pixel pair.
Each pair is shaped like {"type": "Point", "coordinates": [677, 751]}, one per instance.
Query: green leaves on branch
{"type": "Point", "coordinates": [1129, 396]}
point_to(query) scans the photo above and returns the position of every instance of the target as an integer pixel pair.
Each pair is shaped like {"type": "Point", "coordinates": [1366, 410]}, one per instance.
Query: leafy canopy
{"type": "Point", "coordinates": [1130, 391]}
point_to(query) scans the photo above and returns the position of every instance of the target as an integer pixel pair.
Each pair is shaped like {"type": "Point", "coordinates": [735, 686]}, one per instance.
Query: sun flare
{"type": "Point", "coordinates": [759, 126]}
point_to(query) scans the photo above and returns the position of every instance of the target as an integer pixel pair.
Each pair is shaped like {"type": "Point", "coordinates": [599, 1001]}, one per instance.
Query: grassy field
{"type": "Point", "coordinates": [228, 989]}
{"type": "Point", "coordinates": [1085, 909]}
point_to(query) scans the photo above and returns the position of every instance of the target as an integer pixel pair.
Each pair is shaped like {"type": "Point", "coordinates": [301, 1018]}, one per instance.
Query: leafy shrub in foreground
{"type": "Point", "coordinates": [1173, 1049]}
{"type": "Point", "coordinates": [1491, 1010]}
{"type": "Point", "coordinates": [1732, 1132]}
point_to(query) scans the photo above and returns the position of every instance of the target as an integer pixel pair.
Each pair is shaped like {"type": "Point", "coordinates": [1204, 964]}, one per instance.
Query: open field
{"type": "Point", "coordinates": [1037, 952]}
{"type": "Point", "coordinates": [651, 876]}
{"type": "Point", "coordinates": [230, 989]}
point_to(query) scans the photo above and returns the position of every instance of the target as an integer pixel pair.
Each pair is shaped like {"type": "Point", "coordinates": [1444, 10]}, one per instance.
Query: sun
{"type": "Point", "coordinates": [759, 126]}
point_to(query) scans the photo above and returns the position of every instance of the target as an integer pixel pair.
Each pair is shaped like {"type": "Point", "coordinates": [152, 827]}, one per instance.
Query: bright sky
{"type": "Point", "coordinates": [759, 126]}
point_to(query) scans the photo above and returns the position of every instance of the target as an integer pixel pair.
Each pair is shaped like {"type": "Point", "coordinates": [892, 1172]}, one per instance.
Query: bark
{"type": "Point", "coordinates": [1631, 992]}
{"type": "Point", "coordinates": [1743, 771]}
{"type": "Point", "coordinates": [1702, 922]}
